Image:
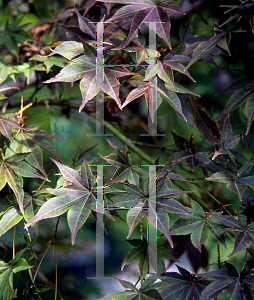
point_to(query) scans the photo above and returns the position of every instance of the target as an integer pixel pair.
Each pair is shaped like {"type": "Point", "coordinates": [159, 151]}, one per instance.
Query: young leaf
{"type": "Point", "coordinates": [228, 141]}
{"type": "Point", "coordinates": [125, 170]}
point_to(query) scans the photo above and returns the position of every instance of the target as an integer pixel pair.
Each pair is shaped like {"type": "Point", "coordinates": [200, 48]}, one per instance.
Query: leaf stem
{"type": "Point", "coordinates": [41, 260]}
{"type": "Point", "coordinates": [56, 282]}
{"type": "Point", "coordinates": [141, 230]}
{"type": "Point", "coordinates": [210, 195]}
{"type": "Point", "coordinates": [13, 246]}
{"type": "Point", "coordinates": [197, 199]}
{"type": "Point", "coordinates": [57, 222]}
{"type": "Point", "coordinates": [218, 250]}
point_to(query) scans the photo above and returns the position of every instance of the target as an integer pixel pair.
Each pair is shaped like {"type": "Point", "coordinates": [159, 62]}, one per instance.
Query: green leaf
{"type": "Point", "coordinates": [6, 282]}
{"type": "Point", "coordinates": [7, 123]}
{"type": "Point", "coordinates": [9, 219]}
{"type": "Point", "coordinates": [78, 198]}
{"type": "Point", "coordinates": [133, 255]}
{"type": "Point", "coordinates": [69, 49]}
{"type": "Point", "coordinates": [126, 284]}
{"type": "Point", "coordinates": [182, 286]}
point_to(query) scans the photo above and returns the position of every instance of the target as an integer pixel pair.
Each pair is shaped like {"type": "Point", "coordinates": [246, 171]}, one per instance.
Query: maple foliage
{"type": "Point", "coordinates": [185, 186]}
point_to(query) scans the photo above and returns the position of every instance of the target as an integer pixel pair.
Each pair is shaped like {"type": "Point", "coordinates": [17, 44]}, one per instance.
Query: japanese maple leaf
{"type": "Point", "coordinates": [138, 202]}
{"type": "Point", "coordinates": [243, 92]}
{"type": "Point", "coordinates": [146, 11]}
{"type": "Point", "coordinates": [86, 29]}
{"type": "Point", "coordinates": [221, 38]}
{"type": "Point", "coordinates": [148, 291]}
{"type": "Point", "coordinates": [153, 92]}
{"type": "Point", "coordinates": [125, 170]}
{"type": "Point", "coordinates": [78, 198]}
{"type": "Point", "coordinates": [228, 141]}
{"type": "Point", "coordinates": [187, 151]}
{"type": "Point", "coordinates": [182, 286]}
{"type": "Point", "coordinates": [85, 68]}
{"type": "Point", "coordinates": [167, 62]}
{"type": "Point", "coordinates": [191, 42]}
{"type": "Point", "coordinates": [140, 253]}
{"type": "Point", "coordinates": [205, 124]}
{"type": "Point", "coordinates": [238, 285]}
{"type": "Point", "coordinates": [7, 270]}
{"type": "Point", "coordinates": [199, 224]}
{"type": "Point", "coordinates": [245, 232]}
{"type": "Point", "coordinates": [236, 183]}
{"type": "Point", "coordinates": [7, 123]}
{"type": "Point", "coordinates": [12, 169]}
{"type": "Point", "coordinates": [31, 141]}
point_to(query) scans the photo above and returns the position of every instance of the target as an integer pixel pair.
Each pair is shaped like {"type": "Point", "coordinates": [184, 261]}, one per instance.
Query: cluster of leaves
{"type": "Point", "coordinates": [168, 199]}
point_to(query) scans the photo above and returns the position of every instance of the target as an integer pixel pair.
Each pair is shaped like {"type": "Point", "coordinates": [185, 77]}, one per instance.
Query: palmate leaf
{"type": "Point", "coordinates": [12, 169]}
{"type": "Point", "coordinates": [10, 218]}
{"type": "Point", "coordinates": [78, 198]}
{"type": "Point", "coordinates": [6, 275]}
{"type": "Point", "coordinates": [7, 123]}
{"type": "Point", "coordinates": [245, 232]}
{"type": "Point", "coordinates": [244, 93]}
{"type": "Point", "coordinates": [220, 38]}
{"type": "Point", "coordinates": [149, 290]}
{"type": "Point", "coordinates": [125, 170]}
{"type": "Point", "coordinates": [86, 29]}
{"type": "Point", "coordinates": [156, 91]}
{"type": "Point", "coordinates": [145, 11]}
{"type": "Point", "coordinates": [140, 254]}
{"type": "Point", "coordinates": [187, 151]}
{"type": "Point", "coordinates": [137, 201]}
{"type": "Point", "coordinates": [228, 141]}
{"type": "Point", "coordinates": [182, 286]}
{"type": "Point", "coordinates": [85, 68]}
{"type": "Point", "coordinates": [13, 33]}
{"type": "Point", "coordinates": [32, 141]}
{"type": "Point", "coordinates": [198, 224]}
{"type": "Point", "coordinates": [239, 286]}
{"type": "Point", "coordinates": [167, 62]}
{"type": "Point", "coordinates": [236, 183]}
{"type": "Point", "coordinates": [69, 49]}
{"type": "Point", "coordinates": [206, 125]}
